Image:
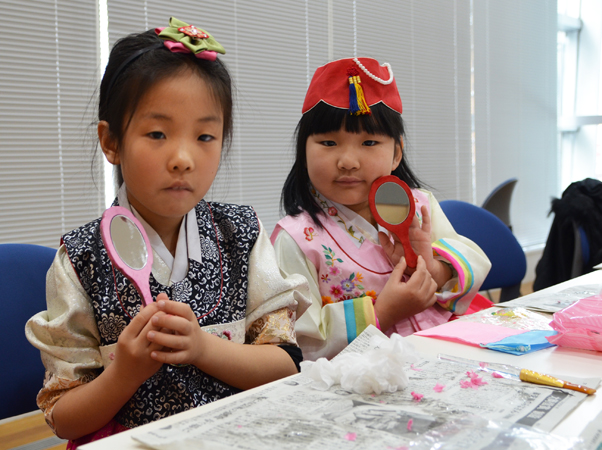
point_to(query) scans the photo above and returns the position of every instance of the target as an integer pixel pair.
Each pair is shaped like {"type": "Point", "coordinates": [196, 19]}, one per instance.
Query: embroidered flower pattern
{"type": "Point", "coordinates": [332, 211]}
{"type": "Point", "coordinates": [326, 300]}
{"type": "Point", "coordinates": [112, 326]}
{"type": "Point", "coordinates": [372, 294]}
{"type": "Point", "coordinates": [336, 291]}
{"type": "Point", "coordinates": [225, 334]}
{"type": "Point", "coordinates": [330, 258]}
{"type": "Point", "coordinates": [309, 233]}
{"type": "Point", "coordinates": [347, 285]}
{"type": "Point", "coordinates": [342, 287]}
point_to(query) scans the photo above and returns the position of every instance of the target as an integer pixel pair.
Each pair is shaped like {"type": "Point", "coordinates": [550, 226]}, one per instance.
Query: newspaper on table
{"type": "Point", "coordinates": [290, 414]}
{"type": "Point", "coordinates": [551, 303]}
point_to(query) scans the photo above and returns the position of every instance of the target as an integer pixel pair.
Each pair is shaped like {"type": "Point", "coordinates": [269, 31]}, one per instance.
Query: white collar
{"type": "Point", "coordinates": [187, 247]}
{"type": "Point", "coordinates": [357, 228]}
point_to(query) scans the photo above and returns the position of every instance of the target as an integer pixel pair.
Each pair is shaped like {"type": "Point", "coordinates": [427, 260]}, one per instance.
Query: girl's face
{"type": "Point", "coordinates": [342, 166]}
{"type": "Point", "coordinates": [170, 151]}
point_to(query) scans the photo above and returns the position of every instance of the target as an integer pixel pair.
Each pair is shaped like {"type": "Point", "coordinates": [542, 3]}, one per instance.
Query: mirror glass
{"type": "Point", "coordinates": [392, 203]}
{"type": "Point", "coordinates": [129, 242]}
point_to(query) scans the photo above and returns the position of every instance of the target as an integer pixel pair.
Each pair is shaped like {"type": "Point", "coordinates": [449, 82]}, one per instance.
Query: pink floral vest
{"type": "Point", "coordinates": [346, 272]}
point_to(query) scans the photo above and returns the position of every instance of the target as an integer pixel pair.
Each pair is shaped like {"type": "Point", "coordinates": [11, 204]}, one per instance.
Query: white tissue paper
{"type": "Point", "coordinates": [380, 369]}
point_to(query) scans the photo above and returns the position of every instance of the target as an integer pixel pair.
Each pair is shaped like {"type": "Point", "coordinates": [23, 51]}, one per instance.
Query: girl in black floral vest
{"type": "Point", "coordinates": [165, 115]}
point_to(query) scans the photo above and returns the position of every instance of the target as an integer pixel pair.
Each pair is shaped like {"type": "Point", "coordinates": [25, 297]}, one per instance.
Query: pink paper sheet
{"type": "Point", "coordinates": [471, 333]}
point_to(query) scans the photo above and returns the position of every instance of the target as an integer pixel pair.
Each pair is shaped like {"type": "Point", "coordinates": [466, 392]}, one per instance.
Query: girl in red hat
{"type": "Point", "coordinates": [350, 134]}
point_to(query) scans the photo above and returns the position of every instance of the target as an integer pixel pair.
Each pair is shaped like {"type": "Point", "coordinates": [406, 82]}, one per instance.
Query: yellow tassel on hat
{"type": "Point", "coordinates": [361, 100]}
{"type": "Point", "coordinates": [357, 101]}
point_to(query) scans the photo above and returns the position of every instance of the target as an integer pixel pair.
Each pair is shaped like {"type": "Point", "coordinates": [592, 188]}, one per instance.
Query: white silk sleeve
{"type": "Point", "coordinates": [323, 330]}
{"type": "Point", "coordinates": [470, 264]}
{"type": "Point", "coordinates": [66, 335]}
{"type": "Point", "coordinates": [268, 289]}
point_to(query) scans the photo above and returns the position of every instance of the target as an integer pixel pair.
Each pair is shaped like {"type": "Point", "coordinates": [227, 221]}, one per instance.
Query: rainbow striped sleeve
{"type": "Point", "coordinates": [359, 313]}
{"type": "Point", "coordinates": [450, 300]}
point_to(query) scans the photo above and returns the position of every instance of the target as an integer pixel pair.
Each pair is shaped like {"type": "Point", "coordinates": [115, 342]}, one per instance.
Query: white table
{"type": "Point", "coordinates": [555, 360]}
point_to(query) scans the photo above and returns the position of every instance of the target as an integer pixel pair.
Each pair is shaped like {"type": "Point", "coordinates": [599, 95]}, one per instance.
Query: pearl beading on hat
{"type": "Point", "coordinates": [374, 77]}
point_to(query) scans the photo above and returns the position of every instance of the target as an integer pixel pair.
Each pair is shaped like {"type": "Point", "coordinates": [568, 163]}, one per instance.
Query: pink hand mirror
{"type": "Point", "coordinates": [393, 207]}
{"type": "Point", "coordinates": [128, 247]}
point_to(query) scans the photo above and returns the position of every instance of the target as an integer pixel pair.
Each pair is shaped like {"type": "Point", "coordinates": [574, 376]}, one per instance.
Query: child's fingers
{"type": "Point", "coordinates": [140, 320]}
{"type": "Point", "coordinates": [162, 296]}
{"type": "Point", "coordinates": [151, 326]}
{"type": "Point", "coordinates": [399, 269]}
{"type": "Point", "coordinates": [167, 356]}
{"type": "Point", "coordinates": [171, 322]}
{"type": "Point", "coordinates": [420, 264]}
{"type": "Point", "coordinates": [175, 308]}
{"type": "Point", "coordinates": [168, 340]}
{"type": "Point", "coordinates": [426, 285]}
{"type": "Point", "coordinates": [420, 275]}
{"type": "Point", "coordinates": [426, 219]}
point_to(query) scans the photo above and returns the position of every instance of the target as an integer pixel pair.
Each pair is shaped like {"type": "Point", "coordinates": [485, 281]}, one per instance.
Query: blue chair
{"type": "Point", "coordinates": [498, 201]}
{"type": "Point", "coordinates": [23, 270]}
{"type": "Point", "coordinates": [508, 261]}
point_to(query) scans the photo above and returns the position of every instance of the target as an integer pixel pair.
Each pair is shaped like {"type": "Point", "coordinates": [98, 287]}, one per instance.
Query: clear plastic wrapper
{"type": "Point", "coordinates": [517, 318]}
{"type": "Point", "coordinates": [579, 325]}
{"type": "Point", "coordinates": [472, 432]}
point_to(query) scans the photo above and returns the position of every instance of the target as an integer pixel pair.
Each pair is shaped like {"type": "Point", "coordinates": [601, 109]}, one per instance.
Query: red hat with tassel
{"type": "Point", "coordinates": [354, 84]}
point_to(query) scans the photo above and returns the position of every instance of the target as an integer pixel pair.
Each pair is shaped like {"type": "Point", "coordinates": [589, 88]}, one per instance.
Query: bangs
{"type": "Point", "coordinates": [324, 118]}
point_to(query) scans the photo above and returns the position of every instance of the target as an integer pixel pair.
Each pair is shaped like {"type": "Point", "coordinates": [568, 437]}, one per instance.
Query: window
{"type": "Point", "coordinates": [48, 73]}
{"type": "Point", "coordinates": [579, 93]}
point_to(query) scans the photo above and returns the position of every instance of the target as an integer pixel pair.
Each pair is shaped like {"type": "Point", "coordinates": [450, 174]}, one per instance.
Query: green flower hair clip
{"type": "Point", "coordinates": [180, 37]}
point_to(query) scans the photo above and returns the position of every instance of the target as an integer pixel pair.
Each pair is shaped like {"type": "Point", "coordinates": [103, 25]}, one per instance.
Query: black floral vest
{"type": "Point", "coordinates": [227, 234]}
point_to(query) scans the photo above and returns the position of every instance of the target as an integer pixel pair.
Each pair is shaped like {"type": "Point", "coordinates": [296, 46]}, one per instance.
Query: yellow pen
{"type": "Point", "coordinates": [539, 378]}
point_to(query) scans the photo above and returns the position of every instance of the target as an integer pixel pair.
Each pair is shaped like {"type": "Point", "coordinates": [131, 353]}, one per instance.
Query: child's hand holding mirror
{"type": "Point", "coordinates": [393, 207]}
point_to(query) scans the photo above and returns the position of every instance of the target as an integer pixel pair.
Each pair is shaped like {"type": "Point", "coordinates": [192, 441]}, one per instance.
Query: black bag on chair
{"type": "Point", "coordinates": [574, 244]}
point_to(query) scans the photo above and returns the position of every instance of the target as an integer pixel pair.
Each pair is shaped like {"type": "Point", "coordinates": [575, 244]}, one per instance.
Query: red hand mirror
{"type": "Point", "coordinates": [393, 207]}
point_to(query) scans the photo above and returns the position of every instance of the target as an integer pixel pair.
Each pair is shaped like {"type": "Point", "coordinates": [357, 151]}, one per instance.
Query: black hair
{"type": "Point", "coordinates": [136, 63]}
{"type": "Point", "coordinates": [323, 118]}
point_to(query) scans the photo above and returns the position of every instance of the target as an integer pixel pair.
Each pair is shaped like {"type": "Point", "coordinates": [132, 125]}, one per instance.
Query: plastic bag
{"type": "Point", "coordinates": [477, 432]}
{"type": "Point", "coordinates": [579, 325]}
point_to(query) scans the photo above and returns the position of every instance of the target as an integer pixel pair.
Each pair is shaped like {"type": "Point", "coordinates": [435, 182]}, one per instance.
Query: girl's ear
{"type": "Point", "coordinates": [397, 155]}
{"type": "Point", "coordinates": [108, 143]}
